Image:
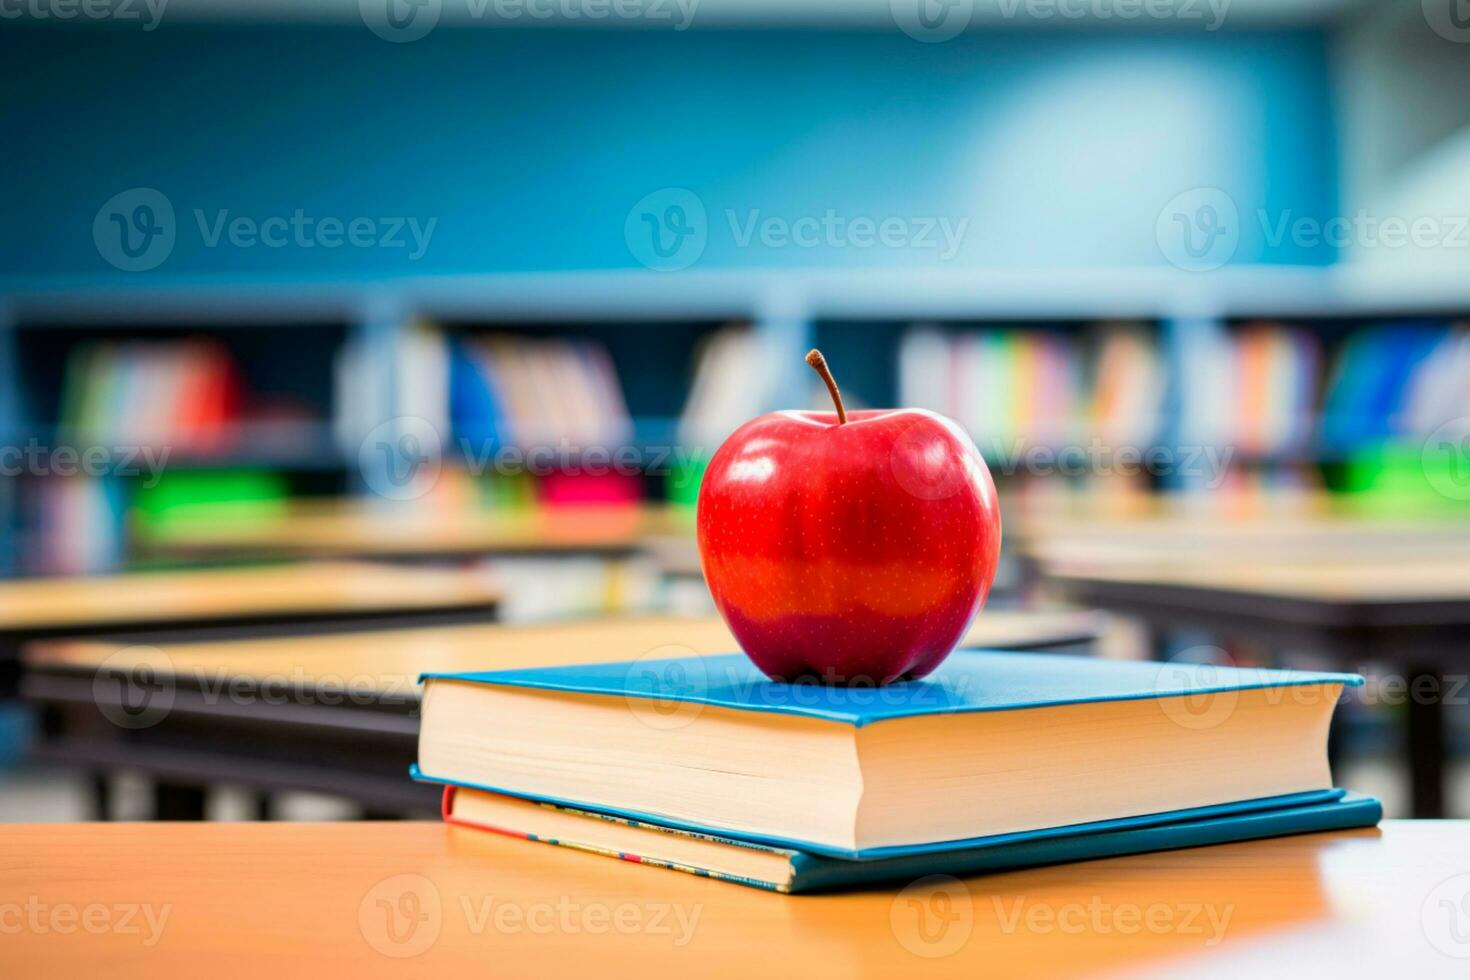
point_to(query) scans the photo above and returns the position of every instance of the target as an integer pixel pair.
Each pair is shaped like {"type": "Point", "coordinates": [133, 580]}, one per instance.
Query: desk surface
{"type": "Point", "coordinates": [1341, 579]}
{"type": "Point", "coordinates": [1215, 530]}
{"type": "Point", "coordinates": [159, 901]}
{"type": "Point", "coordinates": [1223, 512]}
{"type": "Point", "coordinates": [358, 530]}
{"type": "Point", "coordinates": [202, 595]}
{"type": "Point", "coordinates": [391, 660]}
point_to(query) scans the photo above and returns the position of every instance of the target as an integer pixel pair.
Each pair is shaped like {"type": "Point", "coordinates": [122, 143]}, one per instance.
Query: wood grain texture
{"type": "Point", "coordinates": [355, 900]}
{"type": "Point", "coordinates": [201, 594]}
{"type": "Point", "coordinates": [391, 660]}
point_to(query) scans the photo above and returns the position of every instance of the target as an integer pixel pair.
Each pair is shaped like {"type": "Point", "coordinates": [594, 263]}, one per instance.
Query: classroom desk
{"type": "Point", "coordinates": [309, 596]}
{"type": "Point", "coordinates": [1410, 612]}
{"type": "Point", "coordinates": [355, 529]}
{"type": "Point", "coordinates": [158, 902]}
{"type": "Point", "coordinates": [339, 714]}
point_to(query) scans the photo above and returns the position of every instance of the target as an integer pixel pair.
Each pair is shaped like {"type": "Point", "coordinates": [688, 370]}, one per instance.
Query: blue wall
{"type": "Point", "coordinates": [530, 147]}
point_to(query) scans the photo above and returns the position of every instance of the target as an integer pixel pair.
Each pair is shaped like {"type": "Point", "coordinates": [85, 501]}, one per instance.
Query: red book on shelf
{"type": "Point", "coordinates": [211, 404]}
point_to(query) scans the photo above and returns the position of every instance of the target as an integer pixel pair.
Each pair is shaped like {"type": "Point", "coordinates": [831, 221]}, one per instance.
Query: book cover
{"type": "Point", "coordinates": [1253, 820]}
{"type": "Point", "coordinates": [968, 681]}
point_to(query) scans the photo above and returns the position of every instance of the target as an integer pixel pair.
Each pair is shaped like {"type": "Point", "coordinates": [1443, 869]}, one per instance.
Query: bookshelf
{"type": "Point", "coordinates": [289, 342]}
{"type": "Point", "coordinates": [124, 409]}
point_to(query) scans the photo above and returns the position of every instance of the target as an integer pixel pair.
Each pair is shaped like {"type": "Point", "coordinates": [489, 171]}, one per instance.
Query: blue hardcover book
{"type": "Point", "coordinates": [473, 404]}
{"type": "Point", "coordinates": [991, 744]}
{"type": "Point", "coordinates": [787, 870]}
{"type": "Point", "coordinates": [1365, 400]}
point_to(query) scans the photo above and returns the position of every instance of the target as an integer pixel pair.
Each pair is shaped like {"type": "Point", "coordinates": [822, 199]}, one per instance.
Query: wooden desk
{"type": "Point", "coordinates": [384, 899]}
{"type": "Point", "coordinates": [353, 529]}
{"type": "Point", "coordinates": [338, 714]}
{"type": "Point", "coordinates": [1409, 611]}
{"type": "Point", "coordinates": [143, 600]}
{"type": "Point", "coordinates": [224, 601]}
{"type": "Point", "coordinates": [1230, 519]}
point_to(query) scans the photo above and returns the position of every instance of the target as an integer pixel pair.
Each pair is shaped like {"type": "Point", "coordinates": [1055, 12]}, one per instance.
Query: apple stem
{"type": "Point", "coordinates": [819, 364]}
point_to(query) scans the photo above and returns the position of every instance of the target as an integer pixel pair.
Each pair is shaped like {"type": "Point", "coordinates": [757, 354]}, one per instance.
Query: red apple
{"type": "Point", "coordinates": [848, 547]}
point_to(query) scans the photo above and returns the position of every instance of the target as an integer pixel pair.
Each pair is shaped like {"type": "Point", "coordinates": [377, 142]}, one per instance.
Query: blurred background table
{"type": "Point", "coordinates": [231, 601]}
{"type": "Point", "coordinates": [338, 714]}
{"type": "Point", "coordinates": [1350, 597]}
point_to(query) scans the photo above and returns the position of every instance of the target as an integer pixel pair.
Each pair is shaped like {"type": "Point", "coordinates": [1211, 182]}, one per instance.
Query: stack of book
{"type": "Point", "coordinates": [994, 761]}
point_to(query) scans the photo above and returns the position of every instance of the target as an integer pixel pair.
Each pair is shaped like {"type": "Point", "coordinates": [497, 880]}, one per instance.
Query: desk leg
{"type": "Point", "coordinates": [1426, 743]}
{"type": "Point", "coordinates": [101, 795]}
{"type": "Point", "coordinates": [175, 801]}
{"type": "Point", "coordinates": [1336, 731]}
{"type": "Point", "coordinates": [374, 813]}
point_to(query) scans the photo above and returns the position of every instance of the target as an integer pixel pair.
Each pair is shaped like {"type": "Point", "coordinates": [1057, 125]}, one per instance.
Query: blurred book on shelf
{"type": "Point", "coordinates": [71, 528]}
{"type": "Point", "coordinates": [1127, 395]}
{"type": "Point", "coordinates": [536, 392]}
{"type": "Point", "coordinates": [1396, 380]}
{"type": "Point", "coordinates": [1441, 388]}
{"type": "Point", "coordinates": [420, 365]}
{"type": "Point", "coordinates": [1252, 389]}
{"type": "Point", "coordinates": [728, 388]}
{"type": "Point", "coordinates": [1016, 389]}
{"type": "Point", "coordinates": [184, 394]}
